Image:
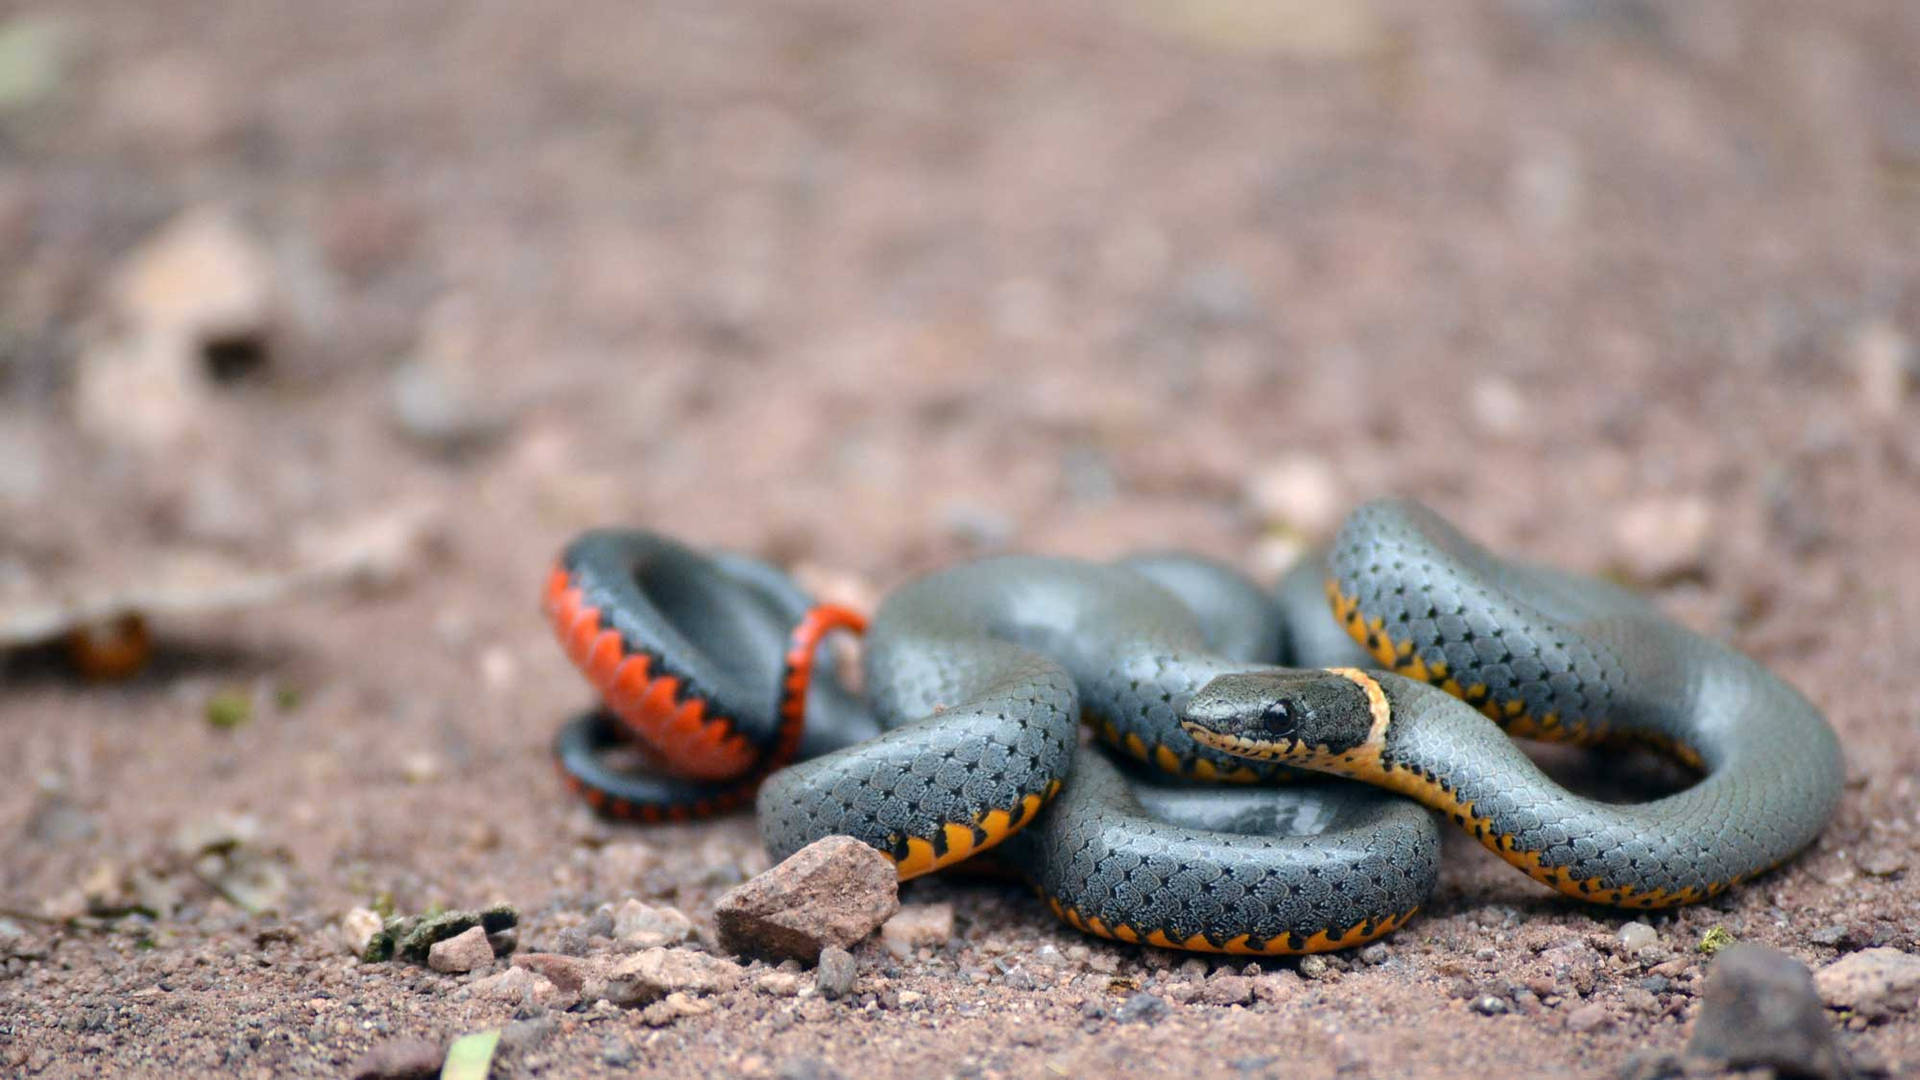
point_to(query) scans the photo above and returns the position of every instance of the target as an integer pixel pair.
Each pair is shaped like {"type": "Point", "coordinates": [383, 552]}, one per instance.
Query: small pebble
{"type": "Point", "coordinates": [1637, 937]}
{"type": "Point", "coordinates": [835, 974]}
{"type": "Point", "coordinates": [1489, 1005]}
{"type": "Point", "coordinates": [1375, 954]}
{"type": "Point", "coordinates": [1315, 966]}
{"type": "Point", "coordinates": [778, 983]}
{"type": "Point", "coordinates": [1141, 1007]}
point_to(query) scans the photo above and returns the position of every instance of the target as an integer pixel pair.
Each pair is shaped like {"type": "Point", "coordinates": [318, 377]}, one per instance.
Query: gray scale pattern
{"type": "Point", "coordinates": [1772, 764]}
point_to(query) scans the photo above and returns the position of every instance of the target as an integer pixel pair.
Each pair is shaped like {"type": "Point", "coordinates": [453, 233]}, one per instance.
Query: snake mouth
{"type": "Point", "coordinates": [1239, 745]}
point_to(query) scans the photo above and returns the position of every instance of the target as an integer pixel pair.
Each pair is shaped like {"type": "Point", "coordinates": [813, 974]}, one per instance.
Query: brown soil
{"type": "Point", "coordinates": [875, 288]}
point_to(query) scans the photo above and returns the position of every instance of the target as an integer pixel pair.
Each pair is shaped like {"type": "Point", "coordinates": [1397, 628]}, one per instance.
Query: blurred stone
{"type": "Point", "coordinates": [778, 983]}
{"type": "Point", "coordinates": [57, 819]}
{"type": "Point", "coordinates": [357, 928]}
{"type": "Point", "coordinates": [195, 302]}
{"type": "Point", "coordinates": [569, 974]}
{"type": "Point", "coordinates": [1592, 1016]}
{"type": "Point", "coordinates": [1873, 983]}
{"type": "Point", "coordinates": [1299, 28]}
{"type": "Point", "coordinates": [1883, 361]}
{"type": "Point", "coordinates": [1546, 186]}
{"type": "Point", "coordinates": [1637, 937]}
{"type": "Point", "coordinates": [1497, 407]}
{"type": "Point", "coordinates": [436, 395]}
{"type": "Point", "coordinates": [673, 1007]}
{"type": "Point", "coordinates": [400, 1059]}
{"type": "Point", "coordinates": [1759, 1010]}
{"type": "Point", "coordinates": [175, 101]}
{"type": "Point", "coordinates": [518, 986]}
{"type": "Point", "coordinates": [145, 392]}
{"type": "Point", "coordinates": [645, 926]}
{"type": "Point", "coordinates": [918, 925]}
{"type": "Point", "coordinates": [1300, 491]}
{"type": "Point", "coordinates": [1663, 539]}
{"type": "Point", "coordinates": [35, 53]}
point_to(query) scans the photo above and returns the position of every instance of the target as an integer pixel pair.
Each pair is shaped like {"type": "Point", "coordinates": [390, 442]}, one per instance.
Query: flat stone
{"type": "Point", "coordinates": [834, 891]}
{"type": "Point", "coordinates": [1664, 538]}
{"type": "Point", "coordinates": [1760, 1010]}
{"type": "Point", "coordinates": [1872, 983]}
{"type": "Point", "coordinates": [646, 977]}
{"type": "Point", "coordinates": [468, 950]}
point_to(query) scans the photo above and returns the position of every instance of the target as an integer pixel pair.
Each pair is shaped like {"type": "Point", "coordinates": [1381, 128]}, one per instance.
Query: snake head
{"type": "Point", "coordinates": [1280, 715]}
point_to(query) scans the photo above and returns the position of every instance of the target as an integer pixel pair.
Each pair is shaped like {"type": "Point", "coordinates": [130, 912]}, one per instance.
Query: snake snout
{"type": "Point", "coordinates": [1278, 714]}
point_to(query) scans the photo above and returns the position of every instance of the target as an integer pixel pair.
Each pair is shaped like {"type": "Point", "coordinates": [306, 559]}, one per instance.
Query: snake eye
{"type": "Point", "coordinates": [1277, 719]}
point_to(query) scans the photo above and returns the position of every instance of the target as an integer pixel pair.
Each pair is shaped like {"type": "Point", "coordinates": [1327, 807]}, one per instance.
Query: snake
{"type": "Point", "coordinates": [1174, 828]}
{"type": "Point", "coordinates": [1477, 649]}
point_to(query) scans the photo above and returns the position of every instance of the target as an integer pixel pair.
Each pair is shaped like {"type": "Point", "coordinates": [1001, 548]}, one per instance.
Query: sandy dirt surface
{"type": "Point", "coordinates": [870, 289]}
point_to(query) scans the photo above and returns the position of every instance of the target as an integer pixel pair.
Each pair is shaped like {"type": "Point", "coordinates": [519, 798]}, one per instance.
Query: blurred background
{"type": "Point", "coordinates": [322, 327]}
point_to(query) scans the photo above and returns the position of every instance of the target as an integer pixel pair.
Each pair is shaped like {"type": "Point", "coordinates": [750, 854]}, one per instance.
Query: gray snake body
{"type": "Point", "coordinates": [978, 678]}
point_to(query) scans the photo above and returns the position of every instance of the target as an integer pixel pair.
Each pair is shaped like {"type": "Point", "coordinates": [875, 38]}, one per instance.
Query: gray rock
{"type": "Point", "coordinates": [834, 891]}
{"type": "Point", "coordinates": [834, 977]}
{"type": "Point", "coordinates": [1141, 1007]}
{"type": "Point", "coordinates": [1759, 1009]}
{"type": "Point", "coordinates": [468, 950]}
{"type": "Point", "coordinates": [646, 977]}
{"type": "Point", "coordinates": [1872, 983]}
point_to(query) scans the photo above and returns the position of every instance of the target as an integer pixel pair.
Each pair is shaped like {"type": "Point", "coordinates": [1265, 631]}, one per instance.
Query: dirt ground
{"type": "Point", "coordinates": [871, 289]}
